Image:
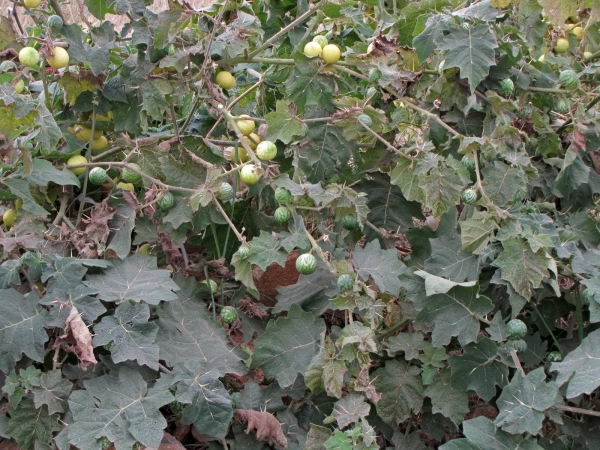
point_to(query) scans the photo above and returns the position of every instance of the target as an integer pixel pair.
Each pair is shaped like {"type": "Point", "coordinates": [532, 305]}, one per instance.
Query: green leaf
{"type": "Point", "coordinates": [403, 391]}
{"type": "Point", "coordinates": [452, 403]}
{"type": "Point", "coordinates": [266, 250]}
{"type": "Point", "coordinates": [442, 187]}
{"type": "Point", "coordinates": [284, 124]}
{"type": "Point", "coordinates": [573, 174]}
{"type": "Point", "coordinates": [10, 273]}
{"type": "Point", "coordinates": [426, 42]}
{"type": "Point", "coordinates": [482, 433]}
{"type": "Point", "coordinates": [133, 337]}
{"type": "Point", "coordinates": [471, 50]}
{"type": "Point", "coordinates": [120, 407]}
{"type": "Point", "coordinates": [521, 267]}
{"type": "Point", "coordinates": [580, 367]}
{"type": "Point", "coordinates": [99, 8]}
{"type": "Point", "coordinates": [21, 329]}
{"type": "Point", "coordinates": [307, 88]}
{"type": "Point", "coordinates": [153, 97]}
{"type": "Point", "coordinates": [407, 177]}
{"type": "Point", "coordinates": [52, 391]}
{"type": "Point", "coordinates": [48, 133]}
{"type": "Point", "coordinates": [503, 184]}
{"type": "Point", "coordinates": [448, 261]}
{"type": "Point", "coordinates": [288, 345]}
{"type": "Point", "coordinates": [352, 408]}
{"type": "Point", "coordinates": [20, 188]}
{"type": "Point", "coordinates": [523, 402]}
{"type": "Point", "coordinates": [134, 278]}
{"type": "Point", "coordinates": [311, 292]}
{"type": "Point", "coordinates": [384, 266]}
{"type": "Point", "coordinates": [479, 369]}
{"type": "Point", "coordinates": [97, 57]}
{"type": "Point", "coordinates": [44, 172]}
{"type": "Point", "coordinates": [409, 343]}
{"type": "Point", "coordinates": [121, 226]}
{"type": "Point", "coordinates": [31, 427]}
{"type": "Point", "coordinates": [475, 232]}
{"type": "Point", "coordinates": [7, 32]}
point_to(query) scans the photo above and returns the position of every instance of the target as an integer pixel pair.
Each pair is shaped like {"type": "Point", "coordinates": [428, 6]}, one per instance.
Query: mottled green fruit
{"type": "Point", "coordinates": [266, 150]}
{"type": "Point", "coordinates": [349, 222]}
{"type": "Point", "coordinates": [375, 74]}
{"type": "Point", "coordinates": [519, 345]}
{"type": "Point", "coordinates": [282, 214]}
{"type": "Point", "coordinates": [214, 287]}
{"type": "Point", "coordinates": [97, 175]}
{"type": "Point", "coordinates": [554, 357]}
{"type": "Point", "coordinates": [226, 191]}
{"type": "Point", "coordinates": [507, 87]}
{"type": "Point", "coordinates": [55, 22]}
{"type": "Point", "coordinates": [345, 282]}
{"type": "Point", "coordinates": [244, 252]}
{"type": "Point", "coordinates": [306, 264]}
{"type": "Point", "coordinates": [469, 196]}
{"type": "Point", "coordinates": [468, 161]}
{"type": "Point", "coordinates": [283, 196]}
{"type": "Point", "coordinates": [517, 329]}
{"type": "Point", "coordinates": [105, 442]}
{"type": "Point", "coordinates": [129, 176]}
{"type": "Point", "coordinates": [365, 119]}
{"type": "Point", "coordinates": [568, 79]}
{"type": "Point", "coordinates": [562, 105]}
{"type": "Point", "coordinates": [229, 314]}
{"type": "Point", "coordinates": [166, 202]}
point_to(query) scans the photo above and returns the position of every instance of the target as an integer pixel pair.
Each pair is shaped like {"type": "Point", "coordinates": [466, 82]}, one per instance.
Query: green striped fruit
{"type": "Point", "coordinates": [283, 196]}
{"type": "Point", "coordinates": [507, 87]}
{"type": "Point", "coordinates": [519, 345]}
{"type": "Point", "coordinates": [226, 191]}
{"type": "Point", "coordinates": [321, 40]}
{"type": "Point", "coordinates": [562, 105]}
{"type": "Point", "coordinates": [554, 357]}
{"type": "Point", "coordinates": [166, 202]}
{"type": "Point", "coordinates": [349, 222]}
{"type": "Point", "coordinates": [214, 287]}
{"type": "Point", "coordinates": [282, 214]}
{"type": "Point", "coordinates": [97, 175]}
{"type": "Point", "coordinates": [250, 174]}
{"type": "Point", "coordinates": [375, 74]}
{"type": "Point", "coordinates": [229, 314]}
{"type": "Point", "coordinates": [345, 282]}
{"type": "Point", "coordinates": [244, 252]}
{"type": "Point", "coordinates": [517, 329]}
{"type": "Point", "coordinates": [306, 264]}
{"type": "Point", "coordinates": [129, 176]}
{"type": "Point", "coordinates": [469, 196]}
{"type": "Point", "coordinates": [266, 150]}
{"type": "Point", "coordinates": [365, 119]}
{"type": "Point", "coordinates": [568, 79]}
{"type": "Point", "coordinates": [468, 161]}
{"type": "Point", "coordinates": [55, 22]}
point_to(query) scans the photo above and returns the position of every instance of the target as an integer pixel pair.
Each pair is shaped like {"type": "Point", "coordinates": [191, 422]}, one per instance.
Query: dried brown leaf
{"type": "Point", "coordinates": [78, 339]}
{"type": "Point", "coordinates": [267, 427]}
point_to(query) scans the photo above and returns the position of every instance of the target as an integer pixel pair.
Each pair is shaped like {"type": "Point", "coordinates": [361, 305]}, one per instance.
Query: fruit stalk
{"type": "Point", "coordinates": [315, 246]}
{"type": "Point", "coordinates": [226, 217]}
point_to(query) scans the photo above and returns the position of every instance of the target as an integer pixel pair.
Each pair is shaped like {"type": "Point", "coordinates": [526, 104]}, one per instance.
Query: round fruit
{"type": "Point", "coordinates": [562, 105]}
{"type": "Point", "coordinates": [129, 176]}
{"type": "Point", "coordinates": [177, 409]}
{"type": "Point", "coordinates": [225, 80]}
{"type": "Point", "coordinates": [99, 144]}
{"type": "Point", "coordinates": [97, 175]}
{"type": "Point", "coordinates": [542, 58]}
{"type": "Point", "coordinates": [9, 217]}
{"type": "Point", "coordinates": [266, 150]}
{"type": "Point", "coordinates": [507, 87]}
{"type": "Point", "coordinates": [562, 45]}
{"type": "Point", "coordinates": [517, 329]}
{"type": "Point", "coordinates": [242, 154]}
{"type": "Point", "coordinates": [76, 160]}
{"type": "Point", "coordinates": [107, 118]}
{"type": "Point", "coordinates": [19, 86]}
{"type": "Point", "coordinates": [345, 282]}
{"type": "Point", "coordinates": [468, 161]}
{"type": "Point", "coordinates": [29, 57]}
{"type": "Point", "coordinates": [214, 287]}
{"type": "Point", "coordinates": [519, 345]}
{"type": "Point", "coordinates": [587, 55]}
{"type": "Point", "coordinates": [55, 22]}
{"type": "Point", "coordinates": [244, 252]}
{"type": "Point", "coordinates": [375, 74]}
{"type": "Point", "coordinates": [144, 249]}
{"type": "Point", "coordinates": [250, 174]}
{"type": "Point", "coordinates": [365, 119]}
{"type": "Point", "coordinates": [253, 140]}
{"type": "Point", "coordinates": [60, 58]}
{"type": "Point", "coordinates": [246, 126]}
{"type": "Point", "coordinates": [126, 186]}
{"type": "Point", "coordinates": [321, 40]}
{"type": "Point", "coordinates": [226, 191]}
{"type": "Point", "coordinates": [469, 196]}
{"type": "Point", "coordinates": [105, 442]}
{"type": "Point", "coordinates": [32, 3]}
{"type": "Point", "coordinates": [312, 49]}
{"type": "Point", "coordinates": [554, 357]}
{"type": "Point", "coordinates": [85, 134]}
{"type": "Point", "coordinates": [578, 33]}
{"type": "Point", "coordinates": [306, 264]}
{"type": "Point", "coordinates": [568, 79]}
{"type": "Point", "coordinates": [18, 203]}
{"type": "Point", "coordinates": [349, 222]}
{"type": "Point", "coordinates": [282, 214]}
{"type": "Point", "coordinates": [371, 92]}
{"type": "Point", "coordinates": [229, 314]}
{"type": "Point", "coordinates": [331, 54]}
{"type": "Point", "coordinates": [283, 196]}
{"type": "Point", "coordinates": [166, 202]}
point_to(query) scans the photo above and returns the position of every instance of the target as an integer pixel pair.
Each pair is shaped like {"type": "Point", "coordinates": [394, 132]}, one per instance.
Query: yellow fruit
{"type": "Point", "coordinates": [99, 144]}
{"type": "Point", "coordinates": [18, 204]}
{"type": "Point", "coordinates": [578, 33]}
{"type": "Point", "coordinates": [331, 53]}
{"type": "Point", "coordinates": [587, 55]}
{"type": "Point", "coordinates": [29, 57]}
{"type": "Point", "coordinates": [126, 186]}
{"type": "Point", "coordinates": [76, 160]}
{"type": "Point", "coordinates": [246, 126]}
{"type": "Point", "coordinates": [107, 118]}
{"type": "Point", "coordinates": [225, 80]}
{"type": "Point", "coordinates": [9, 217]}
{"type": "Point", "coordinates": [32, 3]}
{"type": "Point", "coordinates": [108, 184]}
{"type": "Point", "coordinates": [242, 154]}
{"type": "Point", "coordinates": [85, 133]}
{"type": "Point", "coordinates": [562, 45]}
{"type": "Point", "coordinates": [312, 49]}
{"type": "Point", "coordinates": [19, 86]}
{"type": "Point", "coordinates": [253, 140]}
{"type": "Point", "coordinates": [144, 249]}
{"type": "Point", "coordinates": [542, 58]}
{"type": "Point", "coordinates": [60, 58]}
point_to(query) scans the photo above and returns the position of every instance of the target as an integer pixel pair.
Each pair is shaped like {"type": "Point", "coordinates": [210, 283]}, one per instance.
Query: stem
{"type": "Point", "coordinates": [579, 312]}
{"type": "Point", "coordinates": [285, 29]}
{"type": "Point", "coordinates": [188, 119]}
{"type": "Point", "coordinates": [548, 328]}
{"type": "Point", "coordinates": [316, 248]}
{"type": "Point", "coordinates": [589, 106]}
{"type": "Point", "coordinates": [390, 330]}
{"type": "Point", "coordinates": [235, 182]}
{"type": "Point", "coordinates": [549, 90]}
{"type": "Point", "coordinates": [226, 217]}
{"type": "Point", "coordinates": [109, 152]}
{"type": "Point", "coordinates": [64, 203]}
{"type": "Point", "coordinates": [577, 410]}
{"type": "Point", "coordinates": [16, 16]}
{"type": "Point", "coordinates": [46, 93]}
{"type": "Point", "coordinates": [383, 141]}
{"type": "Point", "coordinates": [217, 23]}
{"type": "Point", "coordinates": [212, 297]}
{"type": "Point", "coordinates": [32, 285]}
{"type": "Point", "coordinates": [229, 118]}
{"type": "Point", "coordinates": [57, 9]}
{"type": "Point", "coordinates": [515, 358]}
{"type": "Point", "coordinates": [214, 231]}
{"type": "Point", "coordinates": [88, 156]}
{"type": "Point", "coordinates": [174, 120]}
{"type": "Point", "coordinates": [479, 180]}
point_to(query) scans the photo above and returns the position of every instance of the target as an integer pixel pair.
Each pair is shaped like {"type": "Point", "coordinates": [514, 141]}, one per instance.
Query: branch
{"type": "Point", "coordinates": [226, 217]}
{"type": "Point", "coordinates": [578, 410]}
{"type": "Point", "coordinates": [229, 118]}
{"type": "Point", "coordinates": [383, 141]}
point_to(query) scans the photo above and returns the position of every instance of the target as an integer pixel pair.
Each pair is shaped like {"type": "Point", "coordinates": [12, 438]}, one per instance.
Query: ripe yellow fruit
{"type": "Point", "coordinates": [99, 144]}
{"type": "Point", "coordinates": [253, 140]}
{"type": "Point", "coordinates": [107, 118]}
{"type": "Point", "coordinates": [331, 53]}
{"type": "Point", "coordinates": [562, 45]}
{"type": "Point", "coordinates": [587, 55]}
{"type": "Point", "coordinates": [241, 153]}
{"type": "Point", "coordinates": [9, 217]}
{"type": "Point", "coordinates": [246, 126]}
{"type": "Point", "coordinates": [542, 58]}
{"type": "Point", "coordinates": [85, 133]}
{"type": "Point", "coordinates": [18, 203]}
{"type": "Point", "coordinates": [19, 86]}
{"type": "Point", "coordinates": [76, 160]}
{"type": "Point", "coordinates": [312, 49]}
{"type": "Point", "coordinates": [60, 58]}
{"type": "Point", "coordinates": [32, 3]}
{"type": "Point", "coordinates": [144, 249]}
{"type": "Point", "coordinates": [225, 80]}
{"type": "Point", "coordinates": [578, 33]}
{"type": "Point", "coordinates": [126, 186]}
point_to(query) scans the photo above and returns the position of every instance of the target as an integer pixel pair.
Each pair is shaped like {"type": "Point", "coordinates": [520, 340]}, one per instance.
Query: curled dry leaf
{"type": "Point", "coordinates": [266, 425]}
{"type": "Point", "coordinates": [91, 236]}
{"type": "Point", "coordinates": [78, 339]}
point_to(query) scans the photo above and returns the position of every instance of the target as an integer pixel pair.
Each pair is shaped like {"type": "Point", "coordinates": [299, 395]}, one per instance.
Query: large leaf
{"type": "Point", "coordinates": [284, 124]}
{"type": "Point", "coordinates": [452, 403]}
{"type": "Point", "coordinates": [448, 261]}
{"type": "Point", "coordinates": [482, 434]}
{"type": "Point", "coordinates": [384, 266]}
{"type": "Point", "coordinates": [31, 427]}
{"type": "Point", "coordinates": [288, 345]}
{"type": "Point", "coordinates": [52, 391]}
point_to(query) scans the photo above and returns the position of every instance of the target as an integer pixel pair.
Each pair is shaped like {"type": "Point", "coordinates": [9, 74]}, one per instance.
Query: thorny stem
{"type": "Point", "coordinates": [543, 319]}
{"type": "Point", "coordinates": [577, 410]}
{"type": "Point", "coordinates": [57, 9]}
{"type": "Point", "coordinates": [315, 246]}
{"type": "Point", "coordinates": [109, 152]}
{"type": "Point", "coordinates": [32, 285]}
{"type": "Point", "coordinates": [88, 157]}
{"type": "Point", "coordinates": [229, 118]}
{"type": "Point", "coordinates": [174, 119]}
{"type": "Point", "coordinates": [589, 106]}
{"type": "Point", "coordinates": [515, 358]}
{"type": "Point", "coordinates": [64, 203]}
{"type": "Point", "coordinates": [226, 217]}
{"type": "Point", "coordinates": [390, 330]}
{"type": "Point", "coordinates": [383, 141]}
{"type": "Point", "coordinates": [479, 180]}
{"type": "Point", "coordinates": [217, 24]}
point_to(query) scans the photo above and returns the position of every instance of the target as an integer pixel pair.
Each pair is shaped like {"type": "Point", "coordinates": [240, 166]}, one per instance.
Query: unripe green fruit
{"type": "Point", "coordinates": [519, 345]}
{"type": "Point", "coordinates": [226, 191]}
{"type": "Point", "coordinates": [517, 329]}
{"type": "Point", "coordinates": [229, 314]}
{"type": "Point", "coordinates": [177, 409]}
{"type": "Point", "coordinates": [98, 175]}
{"type": "Point", "coordinates": [214, 287]}
{"type": "Point", "coordinates": [105, 442]}
{"type": "Point", "coordinates": [349, 222]}
{"type": "Point", "coordinates": [375, 74]}
{"type": "Point", "coordinates": [55, 22]}
{"type": "Point", "coordinates": [468, 161]}
{"type": "Point", "coordinates": [554, 357]}
{"type": "Point", "coordinates": [282, 214]}
{"type": "Point", "coordinates": [306, 264]}
{"type": "Point", "coordinates": [244, 251]}
{"type": "Point", "coordinates": [568, 79]}
{"type": "Point", "coordinates": [129, 176]}
{"type": "Point", "coordinates": [19, 86]}
{"type": "Point", "coordinates": [469, 196]}
{"type": "Point", "coordinates": [365, 119]}
{"type": "Point", "coordinates": [345, 282]}
{"type": "Point", "coordinates": [29, 57]}
{"type": "Point", "coordinates": [166, 202]}
{"type": "Point", "coordinates": [507, 87]}
{"type": "Point", "coordinates": [562, 105]}
{"type": "Point", "coordinates": [75, 161]}
{"type": "Point", "coordinates": [266, 150]}
{"type": "Point", "coordinates": [283, 196]}
{"type": "Point", "coordinates": [371, 92]}
{"type": "Point", "coordinates": [249, 174]}
{"type": "Point", "coordinates": [588, 297]}
{"type": "Point", "coordinates": [321, 40]}
{"type": "Point", "coordinates": [225, 80]}
{"type": "Point", "coordinates": [562, 45]}
{"type": "Point", "coordinates": [9, 217]}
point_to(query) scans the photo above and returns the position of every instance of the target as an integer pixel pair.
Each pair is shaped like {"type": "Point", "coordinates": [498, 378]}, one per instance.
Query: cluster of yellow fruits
{"type": "Point", "coordinates": [320, 46]}
{"type": "Point", "coordinates": [83, 133]}
{"type": "Point", "coordinates": [30, 57]}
